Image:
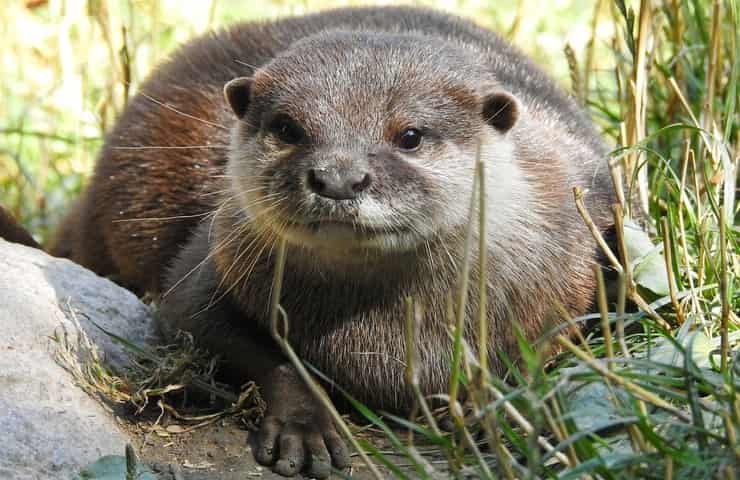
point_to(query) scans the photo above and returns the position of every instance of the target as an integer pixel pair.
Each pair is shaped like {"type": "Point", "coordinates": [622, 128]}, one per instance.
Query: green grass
{"type": "Point", "coordinates": [653, 393]}
{"type": "Point", "coordinates": [651, 389]}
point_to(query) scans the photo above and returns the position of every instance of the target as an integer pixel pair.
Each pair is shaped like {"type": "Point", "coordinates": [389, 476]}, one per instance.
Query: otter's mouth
{"type": "Point", "coordinates": [329, 227]}
{"type": "Point", "coordinates": [337, 232]}
{"type": "Point", "coordinates": [347, 235]}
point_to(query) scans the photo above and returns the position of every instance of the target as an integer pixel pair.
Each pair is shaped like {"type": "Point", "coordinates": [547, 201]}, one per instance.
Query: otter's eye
{"type": "Point", "coordinates": [409, 140]}
{"type": "Point", "coordinates": [286, 129]}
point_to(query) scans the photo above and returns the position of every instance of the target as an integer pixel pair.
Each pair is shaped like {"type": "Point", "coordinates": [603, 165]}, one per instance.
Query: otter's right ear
{"type": "Point", "coordinates": [501, 110]}
{"type": "Point", "coordinates": [237, 93]}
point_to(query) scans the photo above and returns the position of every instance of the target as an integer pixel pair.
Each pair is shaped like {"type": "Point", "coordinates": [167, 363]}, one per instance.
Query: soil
{"type": "Point", "coordinates": [219, 451]}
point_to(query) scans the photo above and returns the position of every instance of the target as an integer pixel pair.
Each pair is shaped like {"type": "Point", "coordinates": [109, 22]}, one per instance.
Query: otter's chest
{"type": "Point", "coordinates": [356, 337]}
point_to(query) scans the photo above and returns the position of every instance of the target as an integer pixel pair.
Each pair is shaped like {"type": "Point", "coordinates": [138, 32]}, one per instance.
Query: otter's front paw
{"type": "Point", "coordinates": [297, 433]}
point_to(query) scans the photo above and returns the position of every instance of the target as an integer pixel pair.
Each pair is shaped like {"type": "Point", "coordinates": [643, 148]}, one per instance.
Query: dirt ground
{"type": "Point", "coordinates": [219, 451]}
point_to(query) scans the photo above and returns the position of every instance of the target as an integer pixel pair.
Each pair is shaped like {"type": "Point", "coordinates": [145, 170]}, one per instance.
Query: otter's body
{"type": "Point", "coordinates": [353, 135]}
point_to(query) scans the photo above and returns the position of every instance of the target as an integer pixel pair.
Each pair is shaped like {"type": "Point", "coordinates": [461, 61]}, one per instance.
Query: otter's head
{"type": "Point", "coordinates": [364, 142]}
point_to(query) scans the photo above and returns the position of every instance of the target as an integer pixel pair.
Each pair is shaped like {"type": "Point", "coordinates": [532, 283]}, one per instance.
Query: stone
{"type": "Point", "coordinates": [52, 428]}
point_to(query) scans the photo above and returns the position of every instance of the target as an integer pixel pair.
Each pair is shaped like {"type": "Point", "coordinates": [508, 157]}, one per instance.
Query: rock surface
{"type": "Point", "coordinates": [51, 428]}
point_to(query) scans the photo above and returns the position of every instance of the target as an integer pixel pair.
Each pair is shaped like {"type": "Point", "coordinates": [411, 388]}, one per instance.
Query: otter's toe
{"type": "Point", "coordinates": [319, 461]}
{"type": "Point", "coordinates": [337, 448]}
{"type": "Point", "coordinates": [291, 456]}
{"type": "Point", "coordinates": [266, 452]}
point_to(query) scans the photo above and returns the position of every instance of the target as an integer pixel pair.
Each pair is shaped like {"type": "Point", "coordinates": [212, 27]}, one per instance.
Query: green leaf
{"type": "Point", "coordinates": [668, 353]}
{"type": "Point", "coordinates": [112, 467]}
{"type": "Point", "coordinates": [647, 259]}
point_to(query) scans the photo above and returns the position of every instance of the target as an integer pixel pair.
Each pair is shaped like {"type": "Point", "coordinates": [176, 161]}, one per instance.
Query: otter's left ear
{"type": "Point", "coordinates": [237, 93]}
{"type": "Point", "coordinates": [500, 110]}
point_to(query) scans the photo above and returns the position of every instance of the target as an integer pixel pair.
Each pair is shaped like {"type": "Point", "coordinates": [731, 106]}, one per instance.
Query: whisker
{"type": "Point", "coordinates": [170, 147]}
{"type": "Point", "coordinates": [161, 219]}
{"type": "Point", "coordinates": [214, 251]}
{"type": "Point", "coordinates": [170, 107]}
{"type": "Point", "coordinates": [258, 237]}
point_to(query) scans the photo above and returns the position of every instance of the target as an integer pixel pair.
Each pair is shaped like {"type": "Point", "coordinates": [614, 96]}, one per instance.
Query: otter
{"type": "Point", "coordinates": [13, 231]}
{"type": "Point", "coordinates": [351, 135]}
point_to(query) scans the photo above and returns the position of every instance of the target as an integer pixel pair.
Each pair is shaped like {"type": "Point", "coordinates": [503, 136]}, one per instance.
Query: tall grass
{"type": "Point", "coordinates": [653, 391]}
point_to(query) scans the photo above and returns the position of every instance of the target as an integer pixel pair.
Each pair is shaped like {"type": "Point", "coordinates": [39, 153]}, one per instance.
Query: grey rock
{"type": "Point", "coordinates": [51, 428]}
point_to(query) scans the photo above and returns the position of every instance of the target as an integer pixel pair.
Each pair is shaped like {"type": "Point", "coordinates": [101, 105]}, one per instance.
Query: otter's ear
{"type": "Point", "coordinates": [501, 110]}
{"type": "Point", "coordinates": [236, 93]}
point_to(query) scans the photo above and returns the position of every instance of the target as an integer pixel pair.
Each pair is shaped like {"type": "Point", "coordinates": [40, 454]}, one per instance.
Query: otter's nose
{"type": "Point", "coordinates": [337, 185]}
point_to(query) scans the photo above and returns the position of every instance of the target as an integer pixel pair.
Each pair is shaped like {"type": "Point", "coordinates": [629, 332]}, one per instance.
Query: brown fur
{"type": "Point", "coordinates": [173, 220]}
{"type": "Point", "coordinates": [12, 231]}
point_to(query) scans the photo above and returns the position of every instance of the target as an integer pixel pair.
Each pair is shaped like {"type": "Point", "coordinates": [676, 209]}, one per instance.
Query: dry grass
{"type": "Point", "coordinates": [160, 377]}
{"type": "Point", "coordinates": [669, 388]}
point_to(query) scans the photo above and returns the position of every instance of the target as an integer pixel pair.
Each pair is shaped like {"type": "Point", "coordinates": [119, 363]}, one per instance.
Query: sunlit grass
{"type": "Point", "coordinates": [651, 392]}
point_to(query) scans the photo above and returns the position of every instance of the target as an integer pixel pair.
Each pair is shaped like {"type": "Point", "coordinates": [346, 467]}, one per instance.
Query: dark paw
{"type": "Point", "coordinates": [301, 442]}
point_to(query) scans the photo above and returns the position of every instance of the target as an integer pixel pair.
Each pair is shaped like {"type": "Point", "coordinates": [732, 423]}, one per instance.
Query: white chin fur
{"type": "Point", "coordinates": [333, 238]}
{"type": "Point", "coordinates": [341, 239]}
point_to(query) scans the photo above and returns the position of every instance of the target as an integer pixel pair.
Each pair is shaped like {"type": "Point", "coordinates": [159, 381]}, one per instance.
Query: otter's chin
{"type": "Point", "coordinates": [341, 240]}
{"type": "Point", "coordinates": [345, 239]}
